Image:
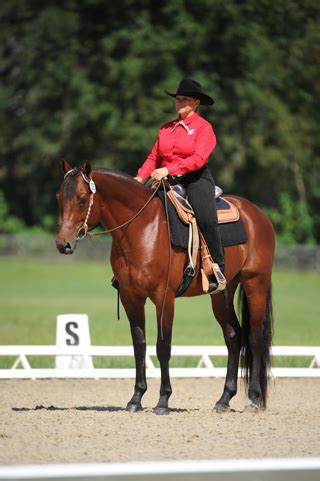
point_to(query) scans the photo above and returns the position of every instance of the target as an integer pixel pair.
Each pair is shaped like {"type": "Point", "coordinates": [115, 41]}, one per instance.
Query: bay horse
{"type": "Point", "coordinates": [139, 259]}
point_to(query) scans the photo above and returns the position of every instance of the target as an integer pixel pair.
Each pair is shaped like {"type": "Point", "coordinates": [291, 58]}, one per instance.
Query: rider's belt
{"type": "Point", "coordinates": [175, 177]}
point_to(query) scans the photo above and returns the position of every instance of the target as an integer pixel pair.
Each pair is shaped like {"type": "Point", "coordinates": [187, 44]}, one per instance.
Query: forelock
{"type": "Point", "coordinates": [69, 184]}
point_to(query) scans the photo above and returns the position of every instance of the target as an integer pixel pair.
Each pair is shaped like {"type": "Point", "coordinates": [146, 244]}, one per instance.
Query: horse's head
{"type": "Point", "coordinates": [75, 198]}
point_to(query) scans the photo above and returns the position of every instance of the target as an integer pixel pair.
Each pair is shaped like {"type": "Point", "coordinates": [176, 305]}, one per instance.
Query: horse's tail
{"type": "Point", "coordinates": [246, 353]}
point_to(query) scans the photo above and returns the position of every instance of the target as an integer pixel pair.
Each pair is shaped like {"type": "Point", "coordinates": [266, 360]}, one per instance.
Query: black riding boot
{"type": "Point", "coordinates": [200, 188]}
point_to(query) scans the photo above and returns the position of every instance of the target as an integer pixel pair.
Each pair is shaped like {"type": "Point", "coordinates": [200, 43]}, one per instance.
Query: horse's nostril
{"type": "Point", "coordinates": [67, 248]}
{"type": "Point", "coordinates": [64, 247]}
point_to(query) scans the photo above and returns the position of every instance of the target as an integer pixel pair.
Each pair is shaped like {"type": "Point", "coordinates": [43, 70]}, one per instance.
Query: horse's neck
{"type": "Point", "coordinates": [120, 197]}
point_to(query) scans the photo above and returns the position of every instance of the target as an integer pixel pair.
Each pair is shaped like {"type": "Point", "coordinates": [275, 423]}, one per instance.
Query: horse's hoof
{"type": "Point", "coordinates": [251, 407]}
{"type": "Point", "coordinates": [221, 408]}
{"type": "Point", "coordinates": [133, 408]}
{"type": "Point", "coordinates": [160, 411]}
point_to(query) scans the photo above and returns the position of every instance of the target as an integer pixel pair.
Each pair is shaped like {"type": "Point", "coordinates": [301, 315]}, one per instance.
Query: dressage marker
{"type": "Point", "coordinates": [73, 330]}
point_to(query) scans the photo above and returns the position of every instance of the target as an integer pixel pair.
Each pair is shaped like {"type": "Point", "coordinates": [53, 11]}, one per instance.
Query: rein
{"type": "Point", "coordinates": [121, 225]}
{"type": "Point", "coordinates": [84, 230]}
{"type": "Point", "coordinates": [162, 182]}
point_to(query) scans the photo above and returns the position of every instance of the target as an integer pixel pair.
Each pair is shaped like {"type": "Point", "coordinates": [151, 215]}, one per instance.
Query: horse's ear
{"type": "Point", "coordinates": [65, 166]}
{"type": "Point", "coordinates": [87, 169]}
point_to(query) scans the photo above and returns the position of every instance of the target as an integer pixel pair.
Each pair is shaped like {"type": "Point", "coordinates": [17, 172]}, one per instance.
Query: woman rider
{"type": "Point", "coordinates": [181, 152]}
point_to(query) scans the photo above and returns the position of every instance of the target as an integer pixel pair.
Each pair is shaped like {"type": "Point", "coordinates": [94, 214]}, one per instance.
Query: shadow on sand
{"type": "Point", "coordinates": [110, 409]}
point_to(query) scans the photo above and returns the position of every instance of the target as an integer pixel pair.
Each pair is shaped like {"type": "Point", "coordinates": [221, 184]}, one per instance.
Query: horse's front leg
{"type": "Point", "coordinates": [134, 307]}
{"type": "Point", "coordinates": [164, 352]}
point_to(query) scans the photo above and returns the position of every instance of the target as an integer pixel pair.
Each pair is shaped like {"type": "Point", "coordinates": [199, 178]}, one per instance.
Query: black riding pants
{"type": "Point", "coordinates": [200, 188]}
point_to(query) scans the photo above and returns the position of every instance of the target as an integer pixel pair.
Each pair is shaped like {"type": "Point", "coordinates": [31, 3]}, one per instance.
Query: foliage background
{"type": "Point", "coordinates": [85, 79]}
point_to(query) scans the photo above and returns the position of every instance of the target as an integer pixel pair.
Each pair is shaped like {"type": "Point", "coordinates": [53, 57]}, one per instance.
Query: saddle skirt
{"type": "Point", "coordinates": [226, 211]}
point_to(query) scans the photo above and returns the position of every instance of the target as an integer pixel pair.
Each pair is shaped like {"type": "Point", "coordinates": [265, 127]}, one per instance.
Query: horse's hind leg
{"type": "Point", "coordinates": [164, 352]}
{"type": "Point", "coordinates": [134, 307]}
{"type": "Point", "coordinates": [257, 335]}
{"type": "Point", "coordinates": [229, 323]}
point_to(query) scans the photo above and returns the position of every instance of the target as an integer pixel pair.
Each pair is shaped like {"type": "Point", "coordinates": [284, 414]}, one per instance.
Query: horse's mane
{"type": "Point", "coordinates": [69, 185]}
{"type": "Point", "coordinates": [118, 173]}
{"type": "Point", "coordinates": [112, 171]}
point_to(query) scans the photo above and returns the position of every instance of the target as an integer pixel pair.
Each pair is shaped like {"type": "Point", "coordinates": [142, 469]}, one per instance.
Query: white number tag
{"type": "Point", "coordinates": [92, 186]}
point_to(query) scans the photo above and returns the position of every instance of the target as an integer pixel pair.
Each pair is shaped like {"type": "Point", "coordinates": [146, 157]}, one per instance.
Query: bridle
{"type": "Point", "coordinates": [83, 231]}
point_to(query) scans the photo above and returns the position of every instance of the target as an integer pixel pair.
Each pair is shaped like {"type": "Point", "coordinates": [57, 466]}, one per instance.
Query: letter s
{"type": "Point", "coordinates": [74, 341]}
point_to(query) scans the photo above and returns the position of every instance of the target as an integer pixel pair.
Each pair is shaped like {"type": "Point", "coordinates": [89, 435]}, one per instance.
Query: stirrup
{"type": "Point", "coordinates": [221, 282]}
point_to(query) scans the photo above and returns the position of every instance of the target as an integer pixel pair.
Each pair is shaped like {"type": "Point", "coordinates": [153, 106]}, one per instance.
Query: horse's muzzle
{"type": "Point", "coordinates": [64, 247]}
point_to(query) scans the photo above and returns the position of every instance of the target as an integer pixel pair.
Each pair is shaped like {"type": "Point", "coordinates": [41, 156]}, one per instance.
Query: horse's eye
{"type": "Point", "coordinates": [82, 201]}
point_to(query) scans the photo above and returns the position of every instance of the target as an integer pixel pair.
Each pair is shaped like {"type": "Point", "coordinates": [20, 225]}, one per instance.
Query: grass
{"type": "Point", "coordinates": [33, 293]}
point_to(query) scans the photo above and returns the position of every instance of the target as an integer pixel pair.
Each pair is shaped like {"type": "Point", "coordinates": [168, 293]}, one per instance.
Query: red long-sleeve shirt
{"type": "Point", "coordinates": [181, 148]}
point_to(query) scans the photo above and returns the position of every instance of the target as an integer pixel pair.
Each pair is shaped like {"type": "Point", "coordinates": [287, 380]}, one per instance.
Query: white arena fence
{"type": "Point", "coordinates": [78, 361]}
{"type": "Point", "coordinates": [267, 469]}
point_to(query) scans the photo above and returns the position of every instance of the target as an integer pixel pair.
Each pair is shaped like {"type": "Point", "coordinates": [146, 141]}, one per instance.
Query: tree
{"type": "Point", "coordinates": [86, 79]}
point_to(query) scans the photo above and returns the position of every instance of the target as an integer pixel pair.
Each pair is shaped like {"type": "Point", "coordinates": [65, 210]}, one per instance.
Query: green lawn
{"type": "Point", "coordinates": [33, 293]}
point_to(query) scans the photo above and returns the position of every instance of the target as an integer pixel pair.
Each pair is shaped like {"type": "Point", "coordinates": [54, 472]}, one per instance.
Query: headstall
{"type": "Point", "coordinates": [82, 232]}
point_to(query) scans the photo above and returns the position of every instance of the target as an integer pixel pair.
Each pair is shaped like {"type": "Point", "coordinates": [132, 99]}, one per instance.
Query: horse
{"type": "Point", "coordinates": [140, 255]}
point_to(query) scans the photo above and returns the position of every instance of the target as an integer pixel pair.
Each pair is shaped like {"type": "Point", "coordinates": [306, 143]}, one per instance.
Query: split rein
{"type": "Point", "coordinates": [157, 187]}
{"type": "Point", "coordinates": [84, 230]}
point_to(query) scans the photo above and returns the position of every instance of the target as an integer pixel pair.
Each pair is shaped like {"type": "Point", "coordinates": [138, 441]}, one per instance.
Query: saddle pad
{"type": "Point", "coordinates": [232, 233]}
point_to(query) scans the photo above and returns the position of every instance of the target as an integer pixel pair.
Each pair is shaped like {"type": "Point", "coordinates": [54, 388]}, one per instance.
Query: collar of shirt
{"type": "Point", "coordinates": [185, 122]}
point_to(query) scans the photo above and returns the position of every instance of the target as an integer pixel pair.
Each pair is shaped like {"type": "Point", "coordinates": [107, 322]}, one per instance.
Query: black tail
{"type": "Point", "coordinates": [246, 353]}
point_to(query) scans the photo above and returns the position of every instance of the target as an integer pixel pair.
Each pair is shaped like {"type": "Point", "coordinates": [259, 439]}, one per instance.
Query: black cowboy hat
{"type": "Point", "coordinates": [191, 88]}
